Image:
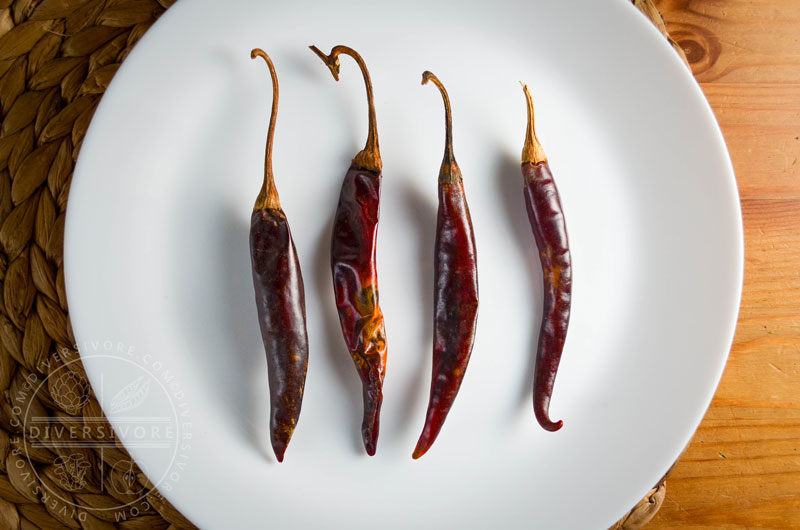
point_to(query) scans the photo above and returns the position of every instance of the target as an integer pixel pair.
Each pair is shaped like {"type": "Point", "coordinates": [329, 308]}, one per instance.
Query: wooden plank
{"type": "Point", "coordinates": [742, 470]}
{"type": "Point", "coordinates": [737, 41]}
{"type": "Point", "coordinates": [761, 128]}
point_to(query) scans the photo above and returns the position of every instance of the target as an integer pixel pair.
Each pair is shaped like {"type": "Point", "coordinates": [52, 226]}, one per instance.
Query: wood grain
{"type": "Point", "coordinates": [737, 41]}
{"type": "Point", "coordinates": [761, 127]}
{"type": "Point", "coordinates": [742, 468]}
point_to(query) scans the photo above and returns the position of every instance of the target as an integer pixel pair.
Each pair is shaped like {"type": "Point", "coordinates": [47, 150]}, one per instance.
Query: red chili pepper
{"type": "Point", "coordinates": [456, 288]}
{"type": "Point", "coordinates": [355, 277]}
{"type": "Point", "coordinates": [550, 231]}
{"type": "Point", "coordinates": [280, 297]}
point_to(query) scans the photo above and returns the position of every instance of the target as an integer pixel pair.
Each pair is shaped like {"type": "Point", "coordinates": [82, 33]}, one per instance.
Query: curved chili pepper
{"type": "Point", "coordinates": [280, 297]}
{"type": "Point", "coordinates": [355, 278]}
{"type": "Point", "coordinates": [455, 300]}
{"type": "Point", "coordinates": [550, 231]}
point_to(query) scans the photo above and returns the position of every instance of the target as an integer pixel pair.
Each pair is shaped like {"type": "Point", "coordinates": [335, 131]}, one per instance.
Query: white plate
{"type": "Point", "coordinates": [157, 256]}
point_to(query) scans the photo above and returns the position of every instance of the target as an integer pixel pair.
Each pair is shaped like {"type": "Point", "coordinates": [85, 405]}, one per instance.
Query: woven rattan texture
{"type": "Point", "coordinates": [57, 58]}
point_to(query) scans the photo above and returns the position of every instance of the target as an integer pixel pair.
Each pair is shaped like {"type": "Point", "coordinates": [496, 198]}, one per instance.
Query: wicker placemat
{"type": "Point", "coordinates": [56, 59]}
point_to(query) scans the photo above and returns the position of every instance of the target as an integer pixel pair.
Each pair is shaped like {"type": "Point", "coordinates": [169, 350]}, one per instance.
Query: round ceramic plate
{"type": "Point", "coordinates": [157, 258]}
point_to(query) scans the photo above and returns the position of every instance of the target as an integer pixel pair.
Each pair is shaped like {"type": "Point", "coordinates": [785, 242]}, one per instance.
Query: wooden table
{"type": "Point", "coordinates": [742, 469]}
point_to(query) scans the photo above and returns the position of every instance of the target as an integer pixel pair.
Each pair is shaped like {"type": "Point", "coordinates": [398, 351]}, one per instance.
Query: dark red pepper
{"type": "Point", "coordinates": [455, 300]}
{"type": "Point", "coordinates": [550, 231]}
{"type": "Point", "coordinates": [355, 277]}
{"type": "Point", "coordinates": [280, 297]}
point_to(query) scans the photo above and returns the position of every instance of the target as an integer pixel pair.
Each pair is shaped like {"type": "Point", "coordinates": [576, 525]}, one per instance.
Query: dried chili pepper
{"type": "Point", "coordinates": [456, 287]}
{"type": "Point", "coordinates": [355, 278]}
{"type": "Point", "coordinates": [550, 231]}
{"type": "Point", "coordinates": [280, 297]}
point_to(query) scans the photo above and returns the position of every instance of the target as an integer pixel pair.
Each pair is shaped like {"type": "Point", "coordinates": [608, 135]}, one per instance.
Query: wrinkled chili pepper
{"type": "Point", "coordinates": [355, 278]}
{"type": "Point", "coordinates": [280, 297]}
{"type": "Point", "coordinates": [455, 300]}
{"type": "Point", "coordinates": [550, 231]}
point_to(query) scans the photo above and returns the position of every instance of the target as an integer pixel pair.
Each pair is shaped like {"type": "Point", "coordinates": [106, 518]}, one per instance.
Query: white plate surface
{"type": "Point", "coordinates": [157, 256]}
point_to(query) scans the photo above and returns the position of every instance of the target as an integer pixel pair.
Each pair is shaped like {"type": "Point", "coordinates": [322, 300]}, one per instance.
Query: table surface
{"type": "Point", "coordinates": [742, 468]}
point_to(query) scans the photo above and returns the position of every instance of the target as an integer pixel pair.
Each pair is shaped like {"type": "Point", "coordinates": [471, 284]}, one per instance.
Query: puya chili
{"type": "Point", "coordinates": [455, 301]}
{"type": "Point", "coordinates": [546, 217]}
{"type": "Point", "coordinates": [355, 277]}
{"type": "Point", "coordinates": [280, 297]}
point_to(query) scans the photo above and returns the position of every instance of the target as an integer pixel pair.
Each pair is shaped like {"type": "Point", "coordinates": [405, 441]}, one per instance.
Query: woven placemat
{"type": "Point", "coordinates": [56, 59]}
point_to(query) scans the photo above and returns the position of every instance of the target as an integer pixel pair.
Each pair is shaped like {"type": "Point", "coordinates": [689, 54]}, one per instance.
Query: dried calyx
{"type": "Point", "coordinates": [449, 171]}
{"type": "Point", "coordinates": [532, 151]}
{"type": "Point", "coordinates": [268, 196]}
{"type": "Point", "coordinates": [370, 157]}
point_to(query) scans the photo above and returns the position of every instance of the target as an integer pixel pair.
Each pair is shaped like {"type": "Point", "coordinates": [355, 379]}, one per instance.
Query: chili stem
{"type": "Point", "coordinates": [532, 151]}
{"type": "Point", "coordinates": [370, 157]}
{"type": "Point", "coordinates": [449, 172]}
{"type": "Point", "coordinates": [268, 196]}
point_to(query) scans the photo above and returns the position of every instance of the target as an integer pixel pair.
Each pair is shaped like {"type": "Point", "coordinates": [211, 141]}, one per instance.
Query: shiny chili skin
{"type": "Point", "coordinates": [546, 217]}
{"type": "Point", "coordinates": [547, 221]}
{"type": "Point", "coordinates": [455, 307]}
{"type": "Point", "coordinates": [280, 297]}
{"type": "Point", "coordinates": [455, 289]}
{"type": "Point", "coordinates": [355, 283]}
{"type": "Point", "coordinates": [355, 276]}
{"type": "Point", "coordinates": [280, 301]}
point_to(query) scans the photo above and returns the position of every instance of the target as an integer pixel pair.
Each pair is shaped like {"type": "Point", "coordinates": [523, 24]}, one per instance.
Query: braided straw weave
{"type": "Point", "coordinates": [56, 59]}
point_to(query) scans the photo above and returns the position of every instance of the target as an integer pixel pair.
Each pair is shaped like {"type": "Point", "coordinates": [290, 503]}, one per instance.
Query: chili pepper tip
{"type": "Point", "coordinates": [549, 425]}
{"type": "Point", "coordinates": [543, 389]}
{"type": "Point", "coordinates": [280, 441]}
{"type": "Point", "coordinates": [420, 450]}
{"type": "Point", "coordinates": [370, 425]}
{"type": "Point", "coordinates": [434, 420]}
{"type": "Point", "coordinates": [369, 434]}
